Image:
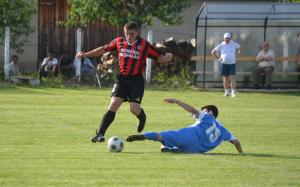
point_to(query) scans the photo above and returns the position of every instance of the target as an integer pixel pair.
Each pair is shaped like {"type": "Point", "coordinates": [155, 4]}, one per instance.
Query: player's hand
{"type": "Point", "coordinates": [170, 100]}
{"type": "Point", "coordinates": [80, 54]}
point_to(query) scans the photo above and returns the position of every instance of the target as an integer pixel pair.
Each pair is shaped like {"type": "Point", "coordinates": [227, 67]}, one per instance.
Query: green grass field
{"type": "Point", "coordinates": [44, 140]}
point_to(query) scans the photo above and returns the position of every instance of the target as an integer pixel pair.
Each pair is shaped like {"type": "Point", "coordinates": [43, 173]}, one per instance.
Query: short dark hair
{"type": "Point", "coordinates": [50, 51]}
{"type": "Point", "coordinates": [15, 56]}
{"type": "Point", "coordinates": [131, 26]}
{"type": "Point", "coordinates": [211, 108]}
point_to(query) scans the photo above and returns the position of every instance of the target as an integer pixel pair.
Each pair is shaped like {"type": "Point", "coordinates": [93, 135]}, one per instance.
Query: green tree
{"type": "Point", "coordinates": [118, 12]}
{"type": "Point", "coordinates": [16, 14]}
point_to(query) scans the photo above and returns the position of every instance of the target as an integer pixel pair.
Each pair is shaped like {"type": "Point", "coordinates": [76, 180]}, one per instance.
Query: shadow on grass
{"type": "Point", "coordinates": [140, 153]}
{"type": "Point", "coordinates": [260, 155]}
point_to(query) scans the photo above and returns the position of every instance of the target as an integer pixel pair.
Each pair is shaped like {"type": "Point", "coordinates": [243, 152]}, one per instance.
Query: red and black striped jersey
{"type": "Point", "coordinates": [132, 57]}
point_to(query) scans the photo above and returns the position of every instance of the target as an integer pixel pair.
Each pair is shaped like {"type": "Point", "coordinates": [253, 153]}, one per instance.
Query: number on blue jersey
{"type": "Point", "coordinates": [213, 133]}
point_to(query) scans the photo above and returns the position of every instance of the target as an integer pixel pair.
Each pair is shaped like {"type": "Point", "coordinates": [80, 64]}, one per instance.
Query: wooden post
{"type": "Point", "coordinates": [6, 52]}
{"type": "Point", "coordinates": [78, 49]}
{"type": "Point", "coordinates": [204, 53]}
{"type": "Point", "coordinates": [149, 65]}
{"type": "Point", "coordinates": [286, 35]}
{"type": "Point", "coordinates": [216, 62]}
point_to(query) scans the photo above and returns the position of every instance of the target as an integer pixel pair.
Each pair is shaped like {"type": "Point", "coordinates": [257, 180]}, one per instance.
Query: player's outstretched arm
{"type": "Point", "coordinates": [93, 53]}
{"type": "Point", "coordinates": [237, 145]}
{"type": "Point", "coordinates": [183, 105]}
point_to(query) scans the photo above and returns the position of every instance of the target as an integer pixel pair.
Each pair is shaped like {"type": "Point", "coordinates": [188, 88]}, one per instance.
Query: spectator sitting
{"type": "Point", "coordinates": [265, 60]}
{"type": "Point", "coordinates": [83, 68]}
{"type": "Point", "coordinates": [49, 66]}
{"type": "Point", "coordinates": [15, 75]}
{"type": "Point", "coordinates": [66, 66]}
{"type": "Point", "coordinates": [86, 67]}
{"type": "Point", "coordinates": [13, 69]}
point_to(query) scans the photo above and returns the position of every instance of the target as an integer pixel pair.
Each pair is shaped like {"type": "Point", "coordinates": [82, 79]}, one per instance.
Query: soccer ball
{"type": "Point", "coordinates": [115, 144]}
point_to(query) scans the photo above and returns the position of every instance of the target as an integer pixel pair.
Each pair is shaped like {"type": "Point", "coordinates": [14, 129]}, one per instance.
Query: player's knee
{"type": "Point", "coordinates": [135, 111]}
{"type": "Point", "coordinates": [159, 138]}
{"type": "Point", "coordinates": [115, 104]}
{"type": "Point", "coordinates": [113, 107]}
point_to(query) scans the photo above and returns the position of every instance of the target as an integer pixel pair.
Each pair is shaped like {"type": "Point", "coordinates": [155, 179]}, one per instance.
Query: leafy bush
{"type": "Point", "coordinates": [181, 80]}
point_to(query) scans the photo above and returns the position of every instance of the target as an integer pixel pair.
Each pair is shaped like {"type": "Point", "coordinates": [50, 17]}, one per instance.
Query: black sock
{"type": "Point", "coordinates": [142, 115]}
{"type": "Point", "coordinates": [107, 119]}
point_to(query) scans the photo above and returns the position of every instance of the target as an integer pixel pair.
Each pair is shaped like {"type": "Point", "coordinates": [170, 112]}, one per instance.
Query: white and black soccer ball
{"type": "Point", "coordinates": [115, 144]}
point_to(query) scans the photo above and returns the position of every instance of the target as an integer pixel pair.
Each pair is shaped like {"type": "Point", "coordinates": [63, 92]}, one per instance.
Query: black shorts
{"type": "Point", "coordinates": [130, 88]}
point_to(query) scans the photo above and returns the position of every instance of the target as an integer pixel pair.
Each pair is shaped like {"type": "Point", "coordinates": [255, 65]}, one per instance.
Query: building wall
{"type": "Point", "coordinates": [184, 31]}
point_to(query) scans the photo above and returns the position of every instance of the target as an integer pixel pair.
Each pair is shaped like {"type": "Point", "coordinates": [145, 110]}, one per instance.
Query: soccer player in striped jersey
{"type": "Point", "coordinates": [204, 135]}
{"type": "Point", "coordinates": [129, 86]}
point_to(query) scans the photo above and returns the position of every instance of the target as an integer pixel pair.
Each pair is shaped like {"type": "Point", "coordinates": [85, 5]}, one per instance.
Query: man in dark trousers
{"type": "Point", "coordinates": [129, 86]}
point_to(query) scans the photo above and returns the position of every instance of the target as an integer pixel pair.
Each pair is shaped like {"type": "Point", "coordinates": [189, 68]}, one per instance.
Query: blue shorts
{"type": "Point", "coordinates": [185, 139]}
{"type": "Point", "coordinates": [227, 69]}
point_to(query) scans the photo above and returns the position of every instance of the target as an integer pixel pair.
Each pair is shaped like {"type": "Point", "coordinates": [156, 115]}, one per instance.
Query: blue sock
{"type": "Point", "coordinates": [150, 136]}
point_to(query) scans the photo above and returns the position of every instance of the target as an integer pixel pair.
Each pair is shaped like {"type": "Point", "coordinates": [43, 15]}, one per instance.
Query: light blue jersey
{"type": "Point", "coordinates": [206, 134]}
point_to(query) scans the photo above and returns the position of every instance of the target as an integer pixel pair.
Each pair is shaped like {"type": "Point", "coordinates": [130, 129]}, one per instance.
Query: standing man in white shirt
{"type": "Point", "coordinates": [49, 66]}
{"type": "Point", "coordinates": [265, 59]}
{"type": "Point", "coordinates": [226, 53]}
